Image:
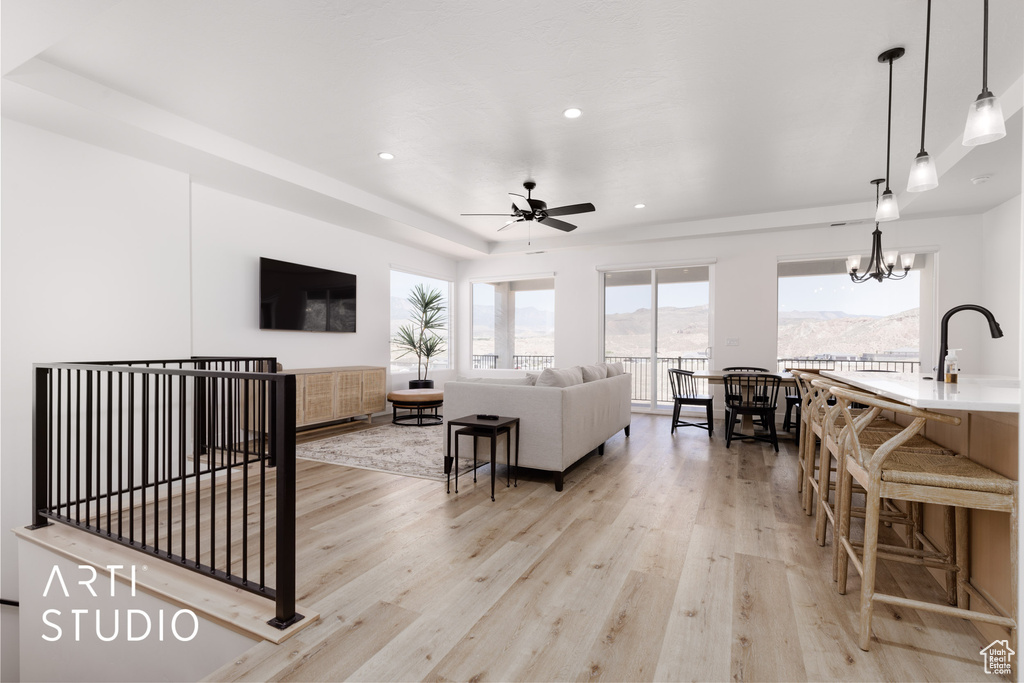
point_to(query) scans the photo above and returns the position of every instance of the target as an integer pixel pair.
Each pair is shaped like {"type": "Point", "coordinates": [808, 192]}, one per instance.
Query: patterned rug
{"type": "Point", "coordinates": [410, 451]}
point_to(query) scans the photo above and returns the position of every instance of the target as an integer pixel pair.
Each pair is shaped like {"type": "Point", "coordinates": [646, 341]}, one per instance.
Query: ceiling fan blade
{"type": "Point", "coordinates": [509, 223]}
{"type": "Point", "coordinates": [483, 214]}
{"type": "Point", "coordinates": [521, 202]}
{"type": "Point", "coordinates": [555, 223]}
{"type": "Point", "coordinates": [572, 208]}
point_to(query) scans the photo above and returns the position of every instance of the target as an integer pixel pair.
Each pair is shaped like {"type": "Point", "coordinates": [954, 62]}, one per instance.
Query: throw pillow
{"type": "Point", "coordinates": [615, 369]}
{"type": "Point", "coordinates": [594, 372]}
{"type": "Point", "coordinates": [564, 377]}
{"type": "Point", "coordinates": [532, 378]}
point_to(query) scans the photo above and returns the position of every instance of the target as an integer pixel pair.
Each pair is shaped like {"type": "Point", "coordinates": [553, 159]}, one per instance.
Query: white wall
{"type": "Point", "coordinates": [745, 291]}
{"type": "Point", "coordinates": [94, 265]}
{"type": "Point", "coordinates": [1001, 284]}
{"type": "Point", "coordinates": [230, 234]}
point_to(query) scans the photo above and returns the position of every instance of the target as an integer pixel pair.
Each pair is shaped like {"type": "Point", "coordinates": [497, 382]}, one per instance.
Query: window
{"type": "Point", "coordinates": [656, 319]}
{"type": "Point", "coordinates": [402, 285]}
{"type": "Point", "coordinates": [828, 321]}
{"type": "Point", "coordinates": [514, 324]}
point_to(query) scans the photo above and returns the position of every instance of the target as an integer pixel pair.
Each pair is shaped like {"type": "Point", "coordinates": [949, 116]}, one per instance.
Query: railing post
{"type": "Point", "coordinates": [284, 443]}
{"type": "Point", "coordinates": [40, 445]}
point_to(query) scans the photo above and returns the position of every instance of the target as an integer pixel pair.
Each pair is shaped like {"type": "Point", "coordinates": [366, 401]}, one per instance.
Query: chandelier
{"type": "Point", "coordinates": [881, 263]}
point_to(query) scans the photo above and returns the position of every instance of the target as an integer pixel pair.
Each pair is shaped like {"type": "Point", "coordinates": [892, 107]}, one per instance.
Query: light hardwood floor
{"type": "Point", "coordinates": [667, 558]}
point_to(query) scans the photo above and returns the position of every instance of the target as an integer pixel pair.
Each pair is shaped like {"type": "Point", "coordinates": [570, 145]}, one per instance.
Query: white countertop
{"type": "Point", "coordinates": [973, 392]}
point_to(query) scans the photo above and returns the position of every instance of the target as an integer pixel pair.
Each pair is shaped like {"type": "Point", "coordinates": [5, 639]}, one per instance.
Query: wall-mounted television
{"type": "Point", "coordinates": [297, 297]}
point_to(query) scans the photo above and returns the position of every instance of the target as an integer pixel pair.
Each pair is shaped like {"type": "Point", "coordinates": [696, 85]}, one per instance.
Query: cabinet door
{"type": "Point", "coordinates": [374, 391]}
{"type": "Point", "coordinates": [349, 390]}
{"type": "Point", "coordinates": [318, 397]}
{"type": "Point", "coordinates": [300, 402]}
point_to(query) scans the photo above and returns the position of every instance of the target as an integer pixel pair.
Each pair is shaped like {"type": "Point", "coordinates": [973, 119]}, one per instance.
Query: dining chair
{"type": "Point", "coordinates": [886, 471]}
{"type": "Point", "coordinates": [792, 403]}
{"type": "Point", "coordinates": [740, 368]}
{"type": "Point", "coordinates": [684, 393]}
{"type": "Point", "coordinates": [755, 394]}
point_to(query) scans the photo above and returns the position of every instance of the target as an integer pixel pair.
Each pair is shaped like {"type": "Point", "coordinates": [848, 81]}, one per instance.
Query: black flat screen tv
{"type": "Point", "coordinates": [297, 297]}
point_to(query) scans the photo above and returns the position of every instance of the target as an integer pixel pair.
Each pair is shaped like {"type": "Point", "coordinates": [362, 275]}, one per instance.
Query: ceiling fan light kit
{"type": "Point", "coordinates": [529, 209]}
{"type": "Point", "coordinates": [985, 121]}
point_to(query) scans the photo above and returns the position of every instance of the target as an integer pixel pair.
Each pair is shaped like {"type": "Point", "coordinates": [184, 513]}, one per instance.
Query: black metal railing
{"type": "Point", "coordinates": [485, 361]}
{"type": "Point", "coordinates": [640, 368]}
{"type": "Point", "coordinates": [849, 365]}
{"type": "Point", "coordinates": [520, 362]}
{"type": "Point", "coordinates": [191, 461]}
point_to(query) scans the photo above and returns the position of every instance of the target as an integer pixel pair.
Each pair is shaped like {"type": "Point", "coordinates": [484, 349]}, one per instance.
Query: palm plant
{"type": "Point", "coordinates": [419, 336]}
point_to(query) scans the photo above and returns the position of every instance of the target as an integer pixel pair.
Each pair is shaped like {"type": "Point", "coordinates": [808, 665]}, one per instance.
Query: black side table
{"type": "Point", "coordinates": [478, 427]}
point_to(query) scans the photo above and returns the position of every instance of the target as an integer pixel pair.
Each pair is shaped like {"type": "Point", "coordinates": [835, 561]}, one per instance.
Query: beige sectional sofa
{"type": "Point", "coordinates": [562, 417]}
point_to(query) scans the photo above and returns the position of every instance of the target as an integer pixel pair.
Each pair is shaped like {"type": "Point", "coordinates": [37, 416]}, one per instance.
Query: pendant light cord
{"type": "Point", "coordinates": [927, 46]}
{"type": "Point", "coordinates": [888, 133]}
{"type": "Point", "coordinates": [984, 54]}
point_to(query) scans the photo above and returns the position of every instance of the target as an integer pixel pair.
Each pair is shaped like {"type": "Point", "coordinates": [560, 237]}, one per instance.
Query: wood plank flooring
{"type": "Point", "coordinates": [667, 558]}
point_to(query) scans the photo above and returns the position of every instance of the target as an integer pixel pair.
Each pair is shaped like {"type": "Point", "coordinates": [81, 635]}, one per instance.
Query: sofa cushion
{"type": "Point", "coordinates": [560, 377]}
{"type": "Point", "coordinates": [516, 381]}
{"type": "Point", "coordinates": [594, 372]}
{"type": "Point", "coordinates": [615, 369]}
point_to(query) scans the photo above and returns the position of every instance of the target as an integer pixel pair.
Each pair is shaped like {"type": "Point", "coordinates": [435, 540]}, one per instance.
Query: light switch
{"type": "Point", "coordinates": [732, 341]}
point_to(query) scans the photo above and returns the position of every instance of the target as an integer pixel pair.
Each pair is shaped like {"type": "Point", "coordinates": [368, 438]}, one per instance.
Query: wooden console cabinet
{"type": "Point", "coordinates": [328, 394]}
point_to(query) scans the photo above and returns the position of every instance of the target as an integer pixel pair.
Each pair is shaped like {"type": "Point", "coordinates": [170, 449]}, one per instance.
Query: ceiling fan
{"type": "Point", "coordinates": [529, 209]}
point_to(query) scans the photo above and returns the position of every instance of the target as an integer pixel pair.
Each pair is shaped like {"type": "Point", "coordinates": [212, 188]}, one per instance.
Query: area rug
{"type": "Point", "coordinates": [409, 451]}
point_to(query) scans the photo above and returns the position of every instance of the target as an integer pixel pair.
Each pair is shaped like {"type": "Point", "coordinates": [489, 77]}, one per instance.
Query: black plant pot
{"type": "Point", "coordinates": [421, 384]}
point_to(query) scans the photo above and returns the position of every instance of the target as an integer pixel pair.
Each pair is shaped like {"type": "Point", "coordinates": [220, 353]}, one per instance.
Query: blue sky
{"type": "Point", "coordinates": [839, 293]}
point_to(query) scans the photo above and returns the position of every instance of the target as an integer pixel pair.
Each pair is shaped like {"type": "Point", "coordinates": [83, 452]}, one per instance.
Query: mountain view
{"type": "Point", "coordinates": [684, 332]}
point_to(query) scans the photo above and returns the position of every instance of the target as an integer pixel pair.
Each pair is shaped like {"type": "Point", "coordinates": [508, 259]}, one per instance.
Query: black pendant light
{"type": "Point", "coordinates": [887, 209]}
{"type": "Point", "coordinates": [923, 175]}
{"type": "Point", "coordinates": [985, 117]}
{"type": "Point", "coordinates": [880, 263]}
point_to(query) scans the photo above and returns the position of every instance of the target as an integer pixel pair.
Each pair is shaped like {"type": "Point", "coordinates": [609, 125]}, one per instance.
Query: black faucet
{"type": "Point", "coordinates": [993, 327]}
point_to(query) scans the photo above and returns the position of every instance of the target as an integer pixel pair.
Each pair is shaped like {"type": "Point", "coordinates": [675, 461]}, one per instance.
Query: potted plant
{"type": "Point", "coordinates": [419, 336]}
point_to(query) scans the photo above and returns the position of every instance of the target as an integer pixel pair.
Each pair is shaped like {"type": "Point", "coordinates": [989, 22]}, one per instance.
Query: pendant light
{"type": "Point", "coordinates": [985, 115]}
{"type": "Point", "coordinates": [888, 210]}
{"type": "Point", "coordinates": [881, 263]}
{"type": "Point", "coordinates": [923, 175]}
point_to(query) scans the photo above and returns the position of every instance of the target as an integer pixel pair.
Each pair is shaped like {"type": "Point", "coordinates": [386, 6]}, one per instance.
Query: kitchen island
{"type": "Point", "coordinates": [988, 407]}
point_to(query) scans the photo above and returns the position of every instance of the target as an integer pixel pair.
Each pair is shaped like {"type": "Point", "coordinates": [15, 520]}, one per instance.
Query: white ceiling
{"type": "Point", "coordinates": [720, 115]}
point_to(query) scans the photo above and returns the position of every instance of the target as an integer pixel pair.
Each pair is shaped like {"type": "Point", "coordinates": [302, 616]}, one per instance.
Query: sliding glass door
{"type": "Point", "coordinates": [656, 319]}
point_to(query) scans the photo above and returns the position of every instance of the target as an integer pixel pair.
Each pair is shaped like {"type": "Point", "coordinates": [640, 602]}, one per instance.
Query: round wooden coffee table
{"type": "Point", "coordinates": [418, 402]}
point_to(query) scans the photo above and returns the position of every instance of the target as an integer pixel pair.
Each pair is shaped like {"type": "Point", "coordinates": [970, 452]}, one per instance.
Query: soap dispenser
{"type": "Point", "coordinates": [952, 369]}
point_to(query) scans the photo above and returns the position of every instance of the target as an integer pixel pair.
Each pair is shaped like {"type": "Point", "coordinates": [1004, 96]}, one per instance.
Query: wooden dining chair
{"type": "Point", "coordinates": [737, 368]}
{"type": "Point", "coordinates": [755, 394]}
{"type": "Point", "coordinates": [884, 470]}
{"type": "Point", "coordinates": [685, 393]}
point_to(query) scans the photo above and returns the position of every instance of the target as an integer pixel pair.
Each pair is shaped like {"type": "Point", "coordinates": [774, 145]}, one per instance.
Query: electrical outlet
{"type": "Point", "coordinates": [732, 341]}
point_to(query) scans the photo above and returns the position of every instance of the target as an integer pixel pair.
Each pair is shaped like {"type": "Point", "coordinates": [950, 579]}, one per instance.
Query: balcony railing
{"type": "Point", "coordinates": [640, 368]}
{"type": "Point", "coordinates": [850, 365]}
{"type": "Point", "coordinates": [189, 461]}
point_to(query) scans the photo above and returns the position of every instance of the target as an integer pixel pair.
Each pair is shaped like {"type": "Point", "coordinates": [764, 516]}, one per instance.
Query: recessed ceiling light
{"type": "Point", "coordinates": [386, 156]}
{"type": "Point", "coordinates": [639, 206]}
{"type": "Point", "coordinates": [572, 113]}
{"type": "Point", "coordinates": [979, 179]}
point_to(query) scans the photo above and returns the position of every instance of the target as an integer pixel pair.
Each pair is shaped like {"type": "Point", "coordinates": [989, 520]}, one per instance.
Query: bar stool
{"type": "Point", "coordinates": [478, 433]}
{"type": "Point", "coordinates": [884, 471]}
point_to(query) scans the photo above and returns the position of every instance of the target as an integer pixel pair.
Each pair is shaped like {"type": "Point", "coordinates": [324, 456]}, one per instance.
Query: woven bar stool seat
{"type": "Point", "coordinates": [926, 469]}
